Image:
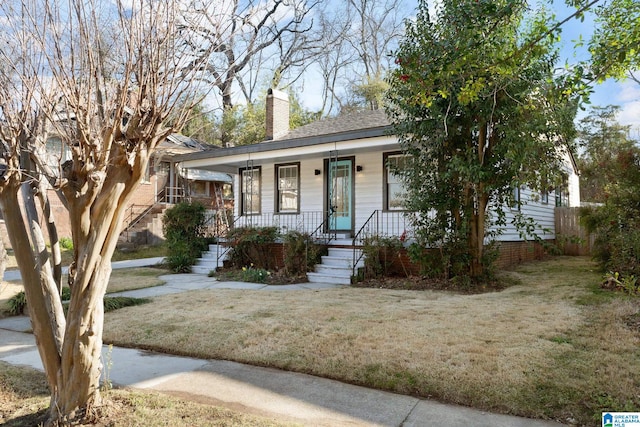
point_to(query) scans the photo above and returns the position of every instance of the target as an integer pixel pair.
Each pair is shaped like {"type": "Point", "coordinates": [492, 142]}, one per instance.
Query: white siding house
{"type": "Point", "coordinates": [331, 176]}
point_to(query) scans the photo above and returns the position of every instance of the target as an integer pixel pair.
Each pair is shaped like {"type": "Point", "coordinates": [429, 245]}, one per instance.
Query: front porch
{"type": "Point", "coordinates": [318, 225]}
{"type": "Point", "coordinates": [345, 254]}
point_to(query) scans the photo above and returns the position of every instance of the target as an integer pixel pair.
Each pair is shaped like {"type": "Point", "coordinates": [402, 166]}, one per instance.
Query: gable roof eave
{"type": "Point", "coordinates": [285, 144]}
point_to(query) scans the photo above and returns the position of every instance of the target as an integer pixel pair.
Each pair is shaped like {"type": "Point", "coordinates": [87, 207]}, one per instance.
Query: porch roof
{"type": "Point", "coordinates": [351, 132]}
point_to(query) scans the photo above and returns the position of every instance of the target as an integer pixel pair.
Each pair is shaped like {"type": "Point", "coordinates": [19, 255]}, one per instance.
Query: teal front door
{"type": "Point", "coordinates": [340, 195]}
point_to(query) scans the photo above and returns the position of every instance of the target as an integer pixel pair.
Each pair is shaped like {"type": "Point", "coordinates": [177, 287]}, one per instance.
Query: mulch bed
{"type": "Point", "coordinates": [419, 283]}
{"type": "Point", "coordinates": [412, 283]}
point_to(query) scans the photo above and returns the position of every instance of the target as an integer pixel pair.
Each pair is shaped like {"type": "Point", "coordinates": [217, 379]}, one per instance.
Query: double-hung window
{"type": "Point", "coordinates": [250, 191]}
{"type": "Point", "coordinates": [394, 194]}
{"type": "Point", "coordinates": [287, 188]}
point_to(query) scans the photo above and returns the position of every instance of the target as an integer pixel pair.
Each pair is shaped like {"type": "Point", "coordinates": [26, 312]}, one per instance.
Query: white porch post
{"type": "Point", "coordinates": [171, 181]}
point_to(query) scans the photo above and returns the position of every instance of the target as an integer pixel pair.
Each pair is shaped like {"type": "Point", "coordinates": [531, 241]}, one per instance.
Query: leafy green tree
{"type": "Point", "coordinates": [616, 224]}
{"type": "Point", "coordinates": [601, 138]}
{"type": "Point", "coordinates": [201, 125]}
{"type": "Point", "coordinates": [615, 45]}
{"type": "Point", "coordinates": [475, 102]}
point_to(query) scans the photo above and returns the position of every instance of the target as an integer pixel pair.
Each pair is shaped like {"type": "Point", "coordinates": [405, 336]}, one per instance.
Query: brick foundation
{"type": "Point", "coordinates": [514, 253]}
{"type": "Point", "coordinates": [510, 254]}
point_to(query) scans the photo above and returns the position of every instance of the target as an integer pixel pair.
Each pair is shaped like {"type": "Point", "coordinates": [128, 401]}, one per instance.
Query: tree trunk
{"type": "Point", "coordinates": [96, 224]}
{"type": "Point", "coordinates": [43, 299]}
{"type": "Point", "coordinates": [476, 239]}
{"type": "Point", "coordinates": [81, 365]}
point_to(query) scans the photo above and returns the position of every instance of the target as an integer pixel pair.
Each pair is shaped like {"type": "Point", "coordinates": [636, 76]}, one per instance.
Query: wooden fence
{"type": "Point", "coordinates": [571, 237]}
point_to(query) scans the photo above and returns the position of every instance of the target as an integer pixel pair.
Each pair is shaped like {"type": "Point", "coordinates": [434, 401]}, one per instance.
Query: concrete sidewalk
{"type": "Point", "coordinates": [281, 395]}
{"type": "Point", "coordinates": [143, 262]}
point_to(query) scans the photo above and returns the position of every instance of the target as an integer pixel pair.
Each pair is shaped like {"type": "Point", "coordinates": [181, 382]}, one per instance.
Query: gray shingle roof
{"type": "Point", "coordinates": [343, 123]}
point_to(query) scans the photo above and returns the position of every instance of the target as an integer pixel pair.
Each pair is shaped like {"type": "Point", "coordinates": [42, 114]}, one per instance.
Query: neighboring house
{"type": "Point", "coordinates": [167, 183]}
{"type": "Point", "coordinates": [164, 184]}
{"type": "Point", "coordinates": [332, 176]}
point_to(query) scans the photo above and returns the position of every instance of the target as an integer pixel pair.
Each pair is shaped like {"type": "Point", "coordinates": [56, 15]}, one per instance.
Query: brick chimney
{"type": "Point", "coordinates": [277, 114]}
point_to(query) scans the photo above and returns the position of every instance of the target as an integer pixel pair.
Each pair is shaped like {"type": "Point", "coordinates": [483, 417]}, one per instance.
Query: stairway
{"type": "Point", "coordinates": [209, 259]}
{"type": "Point", "coordinates": [335, 267]}
{"type": "Point", "coordinates": [147, 230]}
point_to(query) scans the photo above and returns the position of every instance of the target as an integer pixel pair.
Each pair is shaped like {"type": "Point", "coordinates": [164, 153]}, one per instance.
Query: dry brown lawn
{"type": "Point", "coordinates": [121, 280]}
{"type": "Point", "coordinates": [553, 346]}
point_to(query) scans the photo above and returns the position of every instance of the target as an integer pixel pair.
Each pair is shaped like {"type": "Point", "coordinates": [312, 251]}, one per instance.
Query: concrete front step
{"type": "Point", "coordinates": [343, 252]}
{"type": "Point", "coordinates": [199, 269]}
{"type": "Point", "coordinates": [332, 270]}
{"type": "Point", "coordinates": [334, 261]}
{"type": "Point", "coordinates": [325, 278]}
{"type": "Point", "coordinates": [208, 261]}
{"type": "Point", "coordinates": [336, 267]}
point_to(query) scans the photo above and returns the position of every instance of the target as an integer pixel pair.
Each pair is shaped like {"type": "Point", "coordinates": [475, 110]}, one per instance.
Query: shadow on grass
{"type": "Point", "coordinates": [29, 420]}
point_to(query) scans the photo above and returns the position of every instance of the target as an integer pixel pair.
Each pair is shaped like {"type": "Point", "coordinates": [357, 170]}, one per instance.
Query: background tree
{"type": "Point", "coordinates": [475, 101]}
{"type": "Point", "coordinates": [201, 125]}
{"type": "Point", "coordinates": [251, 41]}
{"type": "Point", "coordinates": [247, 125]}
{"type": "Point", "coordinates": [103, 79]}
{"type": "Point", "coordinates": [616, 224]}
{"type": "Point", "coordinates": [360, 35]}
{"type": "Point", "coordinates": [601, 139]}
{"type": "Point", "coordinates": [615, 53]}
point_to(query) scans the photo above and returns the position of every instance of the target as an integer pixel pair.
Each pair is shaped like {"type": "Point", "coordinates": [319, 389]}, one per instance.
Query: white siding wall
{"type": "Point", "coordinates": [574, 189]}
{"type": "Point", "coordinates": [311, 191]}
{"type": "Point", "coordinates": [268, 185]}
{"type": "Point", "coordinates": [369, 194]}
{"type": "Point", "coordinates": [542, 213]}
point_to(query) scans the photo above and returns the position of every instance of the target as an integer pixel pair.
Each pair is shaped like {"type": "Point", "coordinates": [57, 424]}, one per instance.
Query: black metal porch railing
{"type": "Point", "coordinates": [304, 222]}
{"type": "Point", "coordinates": [381, 224]}
{"type": "Point", "coordinates": [311, 222]}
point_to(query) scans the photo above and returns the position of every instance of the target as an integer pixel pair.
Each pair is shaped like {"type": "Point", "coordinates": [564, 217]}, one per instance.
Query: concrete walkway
{"type": "Point", "coordinates": [280, 395]}
{"type": "Point", "coordinates": [144, 262]}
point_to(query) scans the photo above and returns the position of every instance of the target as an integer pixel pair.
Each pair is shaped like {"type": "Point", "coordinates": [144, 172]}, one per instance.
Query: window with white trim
{"type": "Point", "coordinates": [287, 188]}
{"type": "Point", "coordinates": [250, 191]}
{"type": "Point", "coordinates": [394, 190]}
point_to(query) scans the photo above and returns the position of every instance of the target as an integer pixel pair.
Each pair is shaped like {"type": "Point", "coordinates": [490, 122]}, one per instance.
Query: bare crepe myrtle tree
{"type": "Point", "coordinates": [102, 77]}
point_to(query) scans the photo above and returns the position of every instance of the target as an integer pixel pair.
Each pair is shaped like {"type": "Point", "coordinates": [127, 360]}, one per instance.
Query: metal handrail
{"type": "Point", "coordinates": [132, 221]}
{"type": "Point", "coordinates": [220, 254]}
{"type": "Point", "coordinates": [382, 224]}
{"type": "Point", "coordinates": [324, 225]}
{"type": "Point", "coordinates": [356, 237]}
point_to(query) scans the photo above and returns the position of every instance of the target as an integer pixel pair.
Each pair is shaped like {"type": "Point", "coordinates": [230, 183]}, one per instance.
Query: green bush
{"type": "Point", "coordinates": [17, 304]}
{"type": "Point", "coordinates": [184, 226]}
{"type": "Point", "coordinates": [301, 253]}
{"type": "Point", "coordinates": [66, 243]}
{"type": "Point", "coordinates": [616, 223]}
{"type": "Point", "coordinates": [252, 246]}
{"type": "Point", "coordinates": [114, 303]}
{"type": "Point", "coordinates": [380, 255]}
